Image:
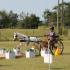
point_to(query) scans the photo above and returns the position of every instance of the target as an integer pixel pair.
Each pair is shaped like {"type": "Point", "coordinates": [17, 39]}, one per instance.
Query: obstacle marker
{"type": "Point", "coordinates": [57, 52]}
{"type": "Point", "coordinates": [16, 51]}
{"type": "Point", "coordinates": [48, 58]}
{"type": "Point", "coordinates": [9, 55]}
{"type": "Point", "coordinates": [30, 53]}
{"type": "Point", "coordinates": [43, 52]}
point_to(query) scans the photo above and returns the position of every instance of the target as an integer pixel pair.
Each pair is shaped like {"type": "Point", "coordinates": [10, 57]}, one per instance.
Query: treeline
{"type": "Point", "coordinates": [51, 16]}
{"type": "Point", "coordinates": [28, 21]}
{"type": "Point", "coordinates": [14, 20]}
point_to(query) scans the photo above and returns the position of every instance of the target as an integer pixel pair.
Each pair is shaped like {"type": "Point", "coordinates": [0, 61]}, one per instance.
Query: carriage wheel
{"type": "Point", "coordinates": [59, 45]}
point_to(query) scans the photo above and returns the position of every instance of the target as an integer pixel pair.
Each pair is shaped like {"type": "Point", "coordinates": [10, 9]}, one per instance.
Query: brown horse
{"type": "Point", "coordinates": [42, 44]}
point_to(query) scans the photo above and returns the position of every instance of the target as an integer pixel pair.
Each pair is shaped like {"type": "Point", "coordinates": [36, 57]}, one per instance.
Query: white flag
{"type": "Point", "coordinates": [48, 58]}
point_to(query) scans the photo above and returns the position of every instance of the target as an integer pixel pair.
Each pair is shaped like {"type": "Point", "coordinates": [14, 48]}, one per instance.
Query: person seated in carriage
{"type": "Point", "coordinates": [52, 36]}
{"type": "Point", "coordinates": [53, 41]}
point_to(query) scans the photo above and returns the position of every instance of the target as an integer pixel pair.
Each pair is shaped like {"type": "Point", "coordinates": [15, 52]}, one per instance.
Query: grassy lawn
{"type": "Point", "coordinates": [7, 34]}
{"type": "Point", "coordinates": [61, 62]}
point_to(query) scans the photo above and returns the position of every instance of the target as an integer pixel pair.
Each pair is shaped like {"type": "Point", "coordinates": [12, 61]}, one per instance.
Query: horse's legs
{"type": "Point", "coordinates": [40, 49]}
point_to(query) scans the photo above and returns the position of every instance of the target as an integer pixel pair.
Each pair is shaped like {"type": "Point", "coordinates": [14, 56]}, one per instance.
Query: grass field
{"type": "Point", "coordinates": [7, 34]}
{"type": "Point", "coordinates": [61, 62]}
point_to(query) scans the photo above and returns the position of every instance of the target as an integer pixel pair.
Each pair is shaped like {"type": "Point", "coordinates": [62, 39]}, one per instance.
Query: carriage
{"type": "Point", "coordinates": [40, 43]}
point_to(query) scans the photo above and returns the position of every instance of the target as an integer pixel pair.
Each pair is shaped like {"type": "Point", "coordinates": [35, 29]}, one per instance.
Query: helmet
{"type": "Point", "coordinates": [52, 28]}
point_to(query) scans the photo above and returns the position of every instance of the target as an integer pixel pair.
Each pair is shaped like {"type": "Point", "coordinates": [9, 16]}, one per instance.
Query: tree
{"type": "Point", "coordinates": [31, 21]}
{"type": "Point", "coordinates": [5, 19]}
{"type": "Point", "coordinates": [13, 19]}
{"type": "Point", "coordinates": [50, 17]}
{"type": "Point", "coordinates": [47, 15]}
{"type": "Point", "coordinates": [8, 19]}
{"type": "Point", "coordinates": [22, 15]}
{"type": "Point", "coordinates": [66, 14]}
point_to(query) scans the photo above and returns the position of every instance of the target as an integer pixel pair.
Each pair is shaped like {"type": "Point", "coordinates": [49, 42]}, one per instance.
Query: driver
{"type": "Point", "coordinates": [51, 36]}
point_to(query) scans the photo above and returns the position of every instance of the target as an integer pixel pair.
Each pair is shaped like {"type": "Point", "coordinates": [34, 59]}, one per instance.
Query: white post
{"type": "Point", "coordinates": [58, 18]}
{"type": "Point", "coordinates": [0, 25]}
{"type": "Point", "coordinates": [49, 54]}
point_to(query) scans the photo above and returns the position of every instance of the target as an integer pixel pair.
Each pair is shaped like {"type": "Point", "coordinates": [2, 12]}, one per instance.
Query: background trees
{"type": "Point", "coordinates": [8, 20]}
{"type": "Point", "coordinates": [31, 21]}
{"type": "Point", "coordinates": [28, 21]}
{"type": "Point", "coordinates": [51, 16]}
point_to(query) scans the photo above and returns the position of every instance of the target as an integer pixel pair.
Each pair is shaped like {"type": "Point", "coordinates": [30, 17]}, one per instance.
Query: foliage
{"type": "Point", "coordinates": [51, 16]}
{"type": "Point", "coordinates": [31, 21]}
{"type": "Point", "coordinates": [13, 19]}
{"type": "Point", "coordinates": [67, 14]}
{"type": "Point", "coordinates": [8, 20]}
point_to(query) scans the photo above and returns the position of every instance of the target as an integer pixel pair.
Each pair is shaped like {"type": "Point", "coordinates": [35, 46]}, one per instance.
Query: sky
{"type": "Point", "coordinates": [32, 6]}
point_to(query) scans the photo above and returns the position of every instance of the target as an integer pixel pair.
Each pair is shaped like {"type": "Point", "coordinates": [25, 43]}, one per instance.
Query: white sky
{"type": "Point", "coordinates": [31, 6]}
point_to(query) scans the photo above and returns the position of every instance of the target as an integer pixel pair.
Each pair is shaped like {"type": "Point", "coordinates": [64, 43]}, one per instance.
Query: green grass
{"type": "Point", "coordinates": [61, 62]}
{"type": "Point", "coordinates": [7, 34]}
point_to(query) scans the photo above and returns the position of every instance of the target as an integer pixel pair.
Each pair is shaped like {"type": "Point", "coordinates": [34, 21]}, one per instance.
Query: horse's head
{"type": "Point", "coordinates": [20, 37]}
{"type": "Point", "coordinates": [15, 36]}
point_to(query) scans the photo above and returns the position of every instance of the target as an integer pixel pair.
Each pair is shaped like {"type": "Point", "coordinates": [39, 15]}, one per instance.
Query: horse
{"type": "Point", "coordinates": [38, 43]}
{"type": "Point", "coordinates": [25, 38]}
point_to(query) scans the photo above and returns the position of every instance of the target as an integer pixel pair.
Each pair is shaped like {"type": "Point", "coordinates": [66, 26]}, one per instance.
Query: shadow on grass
{"type": "Point", "coordinates": [38, 55]}
{"type": "Point", "coordinates": [57, 68]}
{"type": "Point", "coordinates": [67, 53]}
{"type": "Point", "coordinates": [4, 65]}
